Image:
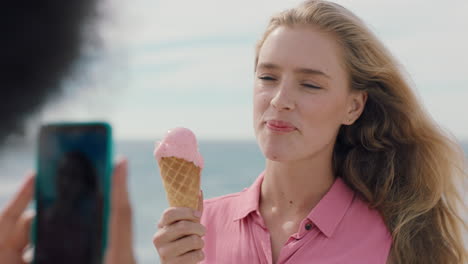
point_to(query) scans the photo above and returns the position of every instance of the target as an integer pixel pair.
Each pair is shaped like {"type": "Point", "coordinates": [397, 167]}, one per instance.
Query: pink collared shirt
{"type": "Point", "coordinates": [340, 229]}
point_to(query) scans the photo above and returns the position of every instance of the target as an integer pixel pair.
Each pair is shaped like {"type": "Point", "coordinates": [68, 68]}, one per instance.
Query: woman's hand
{"type": "Point", "coordinates": [15, 225]}
{"type": "Point", "coordinates": [179, 238]}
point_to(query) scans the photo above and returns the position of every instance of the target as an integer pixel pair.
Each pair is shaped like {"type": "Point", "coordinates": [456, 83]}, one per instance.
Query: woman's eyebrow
{"type": "Point", "coordinates": [272, 66]}
{"type": "Point", "coordinates": [312, 72]}
{"type": "Point", "coordinates": [268, 66]}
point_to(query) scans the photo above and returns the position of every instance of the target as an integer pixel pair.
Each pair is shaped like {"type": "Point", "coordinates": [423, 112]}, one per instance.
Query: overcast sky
{"type": "Point", "coordinates": [164, 64]}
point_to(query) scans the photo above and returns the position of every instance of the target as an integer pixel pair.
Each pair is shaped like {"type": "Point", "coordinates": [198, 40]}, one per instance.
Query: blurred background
{"type": "Point", "coordinates": [153, 65]}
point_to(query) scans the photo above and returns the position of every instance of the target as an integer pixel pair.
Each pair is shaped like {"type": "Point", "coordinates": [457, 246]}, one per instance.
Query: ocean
{"type": "Point", "coordinates": [230, 166]}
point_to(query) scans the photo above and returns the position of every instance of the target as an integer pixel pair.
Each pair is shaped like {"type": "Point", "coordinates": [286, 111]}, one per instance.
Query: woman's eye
{"type": "Point", "coordinates": [266, 78]}
{"type": "Point", "coordinates": [311, 86]}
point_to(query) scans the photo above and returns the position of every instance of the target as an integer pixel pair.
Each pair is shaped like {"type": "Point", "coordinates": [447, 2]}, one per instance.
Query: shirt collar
{"type": "Point", "coordinates": [249, 199]}
{"type": "Point", "coordinates": [329, 212]}
{"type": "Point", "coordinates": [326, 215]}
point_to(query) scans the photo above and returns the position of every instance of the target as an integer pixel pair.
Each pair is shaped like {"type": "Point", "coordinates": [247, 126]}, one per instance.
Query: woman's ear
{"type": "Point", "coordinates": [356, 103]}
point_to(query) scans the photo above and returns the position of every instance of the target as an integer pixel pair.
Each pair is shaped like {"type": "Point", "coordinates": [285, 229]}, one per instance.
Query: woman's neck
{"type": "Point", "coordinates": [294, 188]}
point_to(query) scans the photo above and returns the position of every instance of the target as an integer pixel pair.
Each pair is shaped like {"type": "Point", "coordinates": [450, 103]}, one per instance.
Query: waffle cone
{"type": "Point", "coordinates": [181, 180]}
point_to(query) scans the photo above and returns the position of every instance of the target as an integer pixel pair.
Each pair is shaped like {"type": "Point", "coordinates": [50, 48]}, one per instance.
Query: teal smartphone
{"type": "Point", "coordinates": [72, 193]}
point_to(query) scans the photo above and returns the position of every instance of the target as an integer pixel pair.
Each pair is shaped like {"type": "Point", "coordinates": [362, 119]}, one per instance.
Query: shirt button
{"type": "Point", "coordinates": [308, 226]}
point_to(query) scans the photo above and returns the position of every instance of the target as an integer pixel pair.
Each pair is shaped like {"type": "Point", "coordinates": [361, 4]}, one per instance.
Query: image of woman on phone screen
{"type": "Point", "coordinates": [72, 225]}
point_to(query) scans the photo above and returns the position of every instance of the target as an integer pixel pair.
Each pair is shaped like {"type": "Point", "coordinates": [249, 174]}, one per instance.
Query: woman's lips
{"type": "Point", "coordinates": [280, 126]}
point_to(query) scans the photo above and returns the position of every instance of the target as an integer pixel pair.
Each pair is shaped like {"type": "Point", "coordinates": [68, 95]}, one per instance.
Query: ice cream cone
{"type": "Point", "coordinates": [181, 180]}
{"type": "Point", "coordinates": [180, 166]}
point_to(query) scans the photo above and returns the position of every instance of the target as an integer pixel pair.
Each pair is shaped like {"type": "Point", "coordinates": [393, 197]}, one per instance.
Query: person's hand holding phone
{"type": "Point", "coordinates": [179, 238]}
{"type": "Point", "coordinates": [15, 224]}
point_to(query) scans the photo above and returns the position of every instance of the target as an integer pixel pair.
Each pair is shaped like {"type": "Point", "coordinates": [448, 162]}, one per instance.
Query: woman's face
{"type": "Point", "coordinates": [301, 94]}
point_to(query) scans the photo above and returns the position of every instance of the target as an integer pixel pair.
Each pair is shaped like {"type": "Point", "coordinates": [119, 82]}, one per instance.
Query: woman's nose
{"type": "Point", "coordinates": [283, 99]}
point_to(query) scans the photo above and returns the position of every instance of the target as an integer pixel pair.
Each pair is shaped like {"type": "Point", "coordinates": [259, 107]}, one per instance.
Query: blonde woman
{"type": "Point", "coordinates": [356, 171]}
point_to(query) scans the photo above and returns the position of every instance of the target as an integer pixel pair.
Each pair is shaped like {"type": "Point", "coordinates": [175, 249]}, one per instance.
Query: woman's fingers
{"type": "Point", "coordinates": [175, 214]}
{"type": "Point", "coordinates": [178, 230]}
{"type": "Point", "coordinates": [182, 246]}
{"type": "Point", "coordinates": [179, 238]}
{"type": "Point", "coordinates": [191, 257]}
{"type": "Point", "coordinates": [12, 212]}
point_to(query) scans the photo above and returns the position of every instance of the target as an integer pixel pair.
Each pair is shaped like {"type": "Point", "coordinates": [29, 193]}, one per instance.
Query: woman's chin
{"type": "Point", "coordinates": [276, 154]}
{"type": "Point", "coordinates": [275, 158]}
{"type": "Point", "coordinates": [275, 150]}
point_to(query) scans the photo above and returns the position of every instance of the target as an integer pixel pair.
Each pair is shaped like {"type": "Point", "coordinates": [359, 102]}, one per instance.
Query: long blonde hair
{"type": "Point", "coordinates": [394, 155]}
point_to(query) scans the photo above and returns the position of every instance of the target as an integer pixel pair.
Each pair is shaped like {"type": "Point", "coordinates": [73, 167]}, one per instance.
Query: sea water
{"type": "Point", "coordinates": [230, 166]}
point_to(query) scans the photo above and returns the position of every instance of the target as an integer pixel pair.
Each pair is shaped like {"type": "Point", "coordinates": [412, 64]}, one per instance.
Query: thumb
{"type": "Point", "coordinates": [120, 229]}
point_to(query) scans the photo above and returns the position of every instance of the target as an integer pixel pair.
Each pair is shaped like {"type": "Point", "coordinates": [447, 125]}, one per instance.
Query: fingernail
{"type": "Point", "coordinates": [197, 214]}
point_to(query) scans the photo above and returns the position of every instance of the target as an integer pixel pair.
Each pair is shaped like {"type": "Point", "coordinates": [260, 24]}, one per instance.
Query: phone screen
{"type": "Point", "coordinates": [71, 193]}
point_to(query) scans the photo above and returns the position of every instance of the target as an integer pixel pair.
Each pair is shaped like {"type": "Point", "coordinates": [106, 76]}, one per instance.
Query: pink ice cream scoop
{"type": "Point", "coordinates": [180, 143]}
